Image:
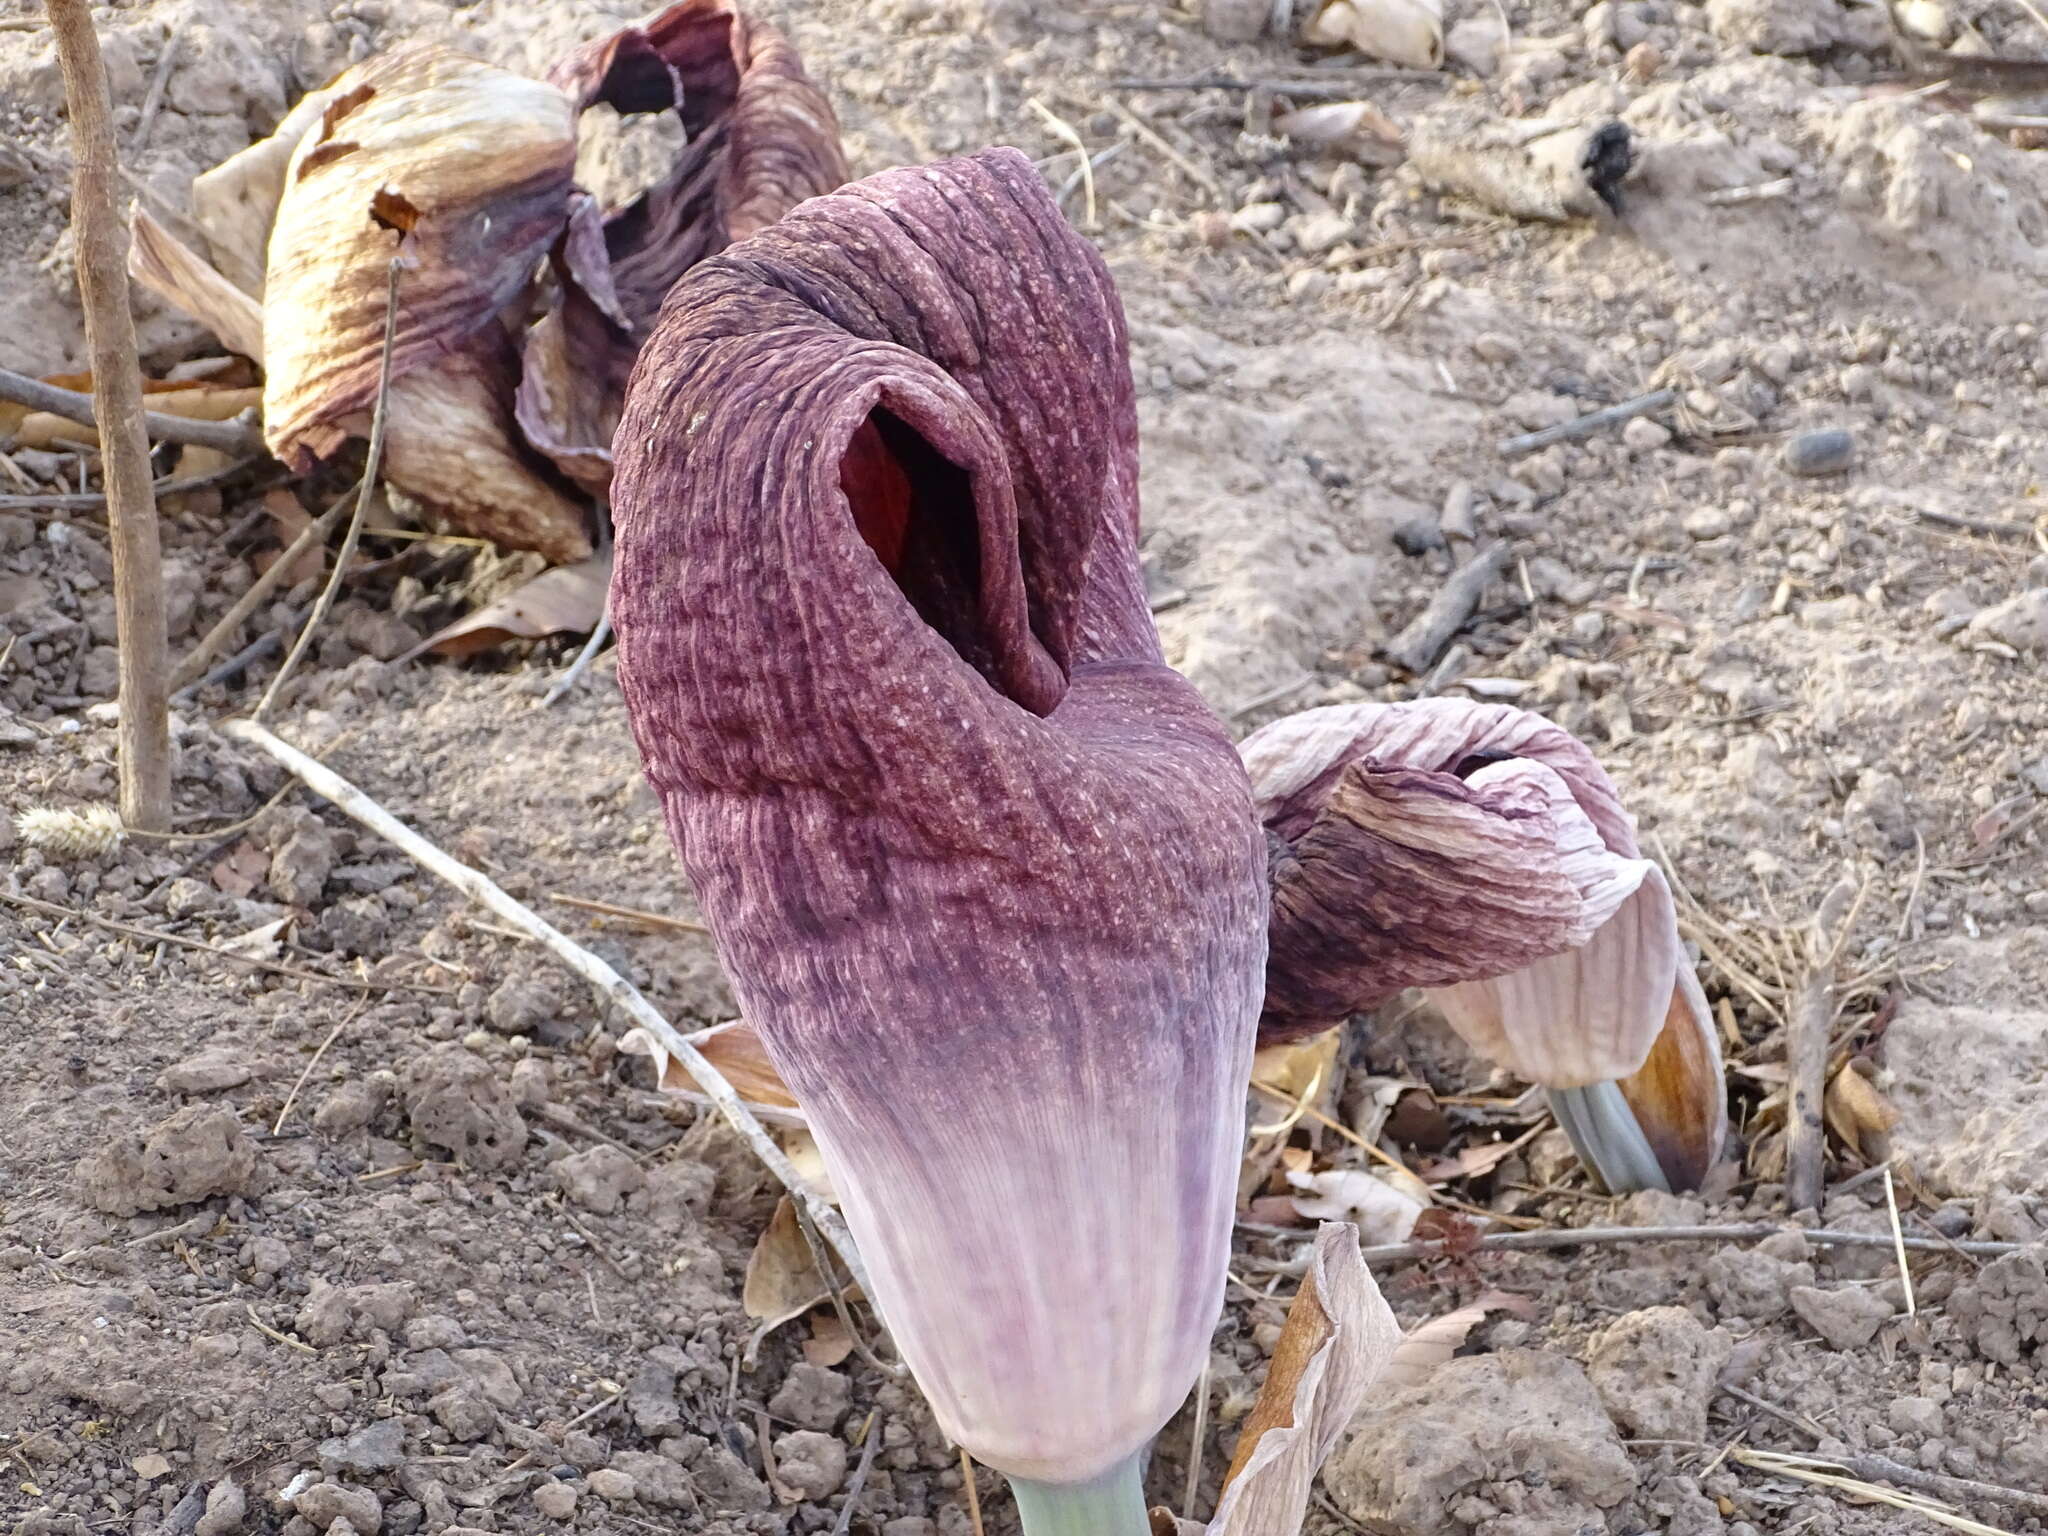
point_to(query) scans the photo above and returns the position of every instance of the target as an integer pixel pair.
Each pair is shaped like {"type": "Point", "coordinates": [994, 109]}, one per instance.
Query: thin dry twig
{"type": "Point", "coordinates": [238, 437]}
{"type": "Point", "coordinates": [292, 1098]}
{"type": "Point", "coordinates": [158, 936]}
{"type": "Point", "coordinates": [576, 669]}
{"type": "Point", "coordinates": [871, 1442]}
{"type": "Point", "coordinates": [102, 241]}
{"type": "Point", "coordinates": [189, 670]}
{"type": "Point", "coordinates": [615, 989]}
{"type": "Point", "coordinates": [1743, 1232]}
{"type": "Point", "coordinates": [271, 1333]}
{"type": "Point", "coordinates": [1587, 425]}
{"type": "Point", "coordinates": [1836, 1475]}
{"type": "Point", "coordinates": [1141, 125]}
{"type": "Point", "coordinates": [1891, 1205]}
{"type": "Point", "coordinates": [627, 914]}
{"type": "Point", "coordinates": [1067, 134]}
{"type": "Point", "coordinates": [96, 501]}
{"type": "Point", "coordinates": [365, 489]}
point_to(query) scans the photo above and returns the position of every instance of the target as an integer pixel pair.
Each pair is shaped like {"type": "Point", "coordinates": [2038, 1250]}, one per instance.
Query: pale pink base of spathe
{"type": "Point", "coordinates": [1051, 1265]}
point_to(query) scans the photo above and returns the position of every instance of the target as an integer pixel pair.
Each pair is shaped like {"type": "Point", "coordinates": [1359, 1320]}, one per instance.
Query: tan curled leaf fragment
{"type": "Point", "coordinates": [174, 272]}
{"type": "Point", "coordinates": [569, 599]}
{"type": "Point", "coordinates": [1339, 1336]}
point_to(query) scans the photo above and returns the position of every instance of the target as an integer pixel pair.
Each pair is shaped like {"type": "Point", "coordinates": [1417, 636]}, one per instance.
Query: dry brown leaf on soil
{"type": "Point", "coordinates": [1296, 1067]}
{"type": "Point", "coordinates": [1861, 1117]}
{"type": "Point", "coordinates": [830, 1341]}
{"type": "Point", "coordinates": [735, 1050]}
{"type": "Point", "coordinates": [566, 599]}
{"type": "Point", "coordinates": [241, 871]}
{"type": "Point", "coordinates": [1428, 1345]}
{"type": "Point", "coordinates": [167, 266]}
{"type": "Point", "coordinates": [782, 1281]}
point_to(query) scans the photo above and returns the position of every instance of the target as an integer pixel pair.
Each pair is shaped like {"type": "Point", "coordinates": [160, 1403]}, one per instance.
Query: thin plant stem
{"type": "Point", "coordinates": [364, 491]}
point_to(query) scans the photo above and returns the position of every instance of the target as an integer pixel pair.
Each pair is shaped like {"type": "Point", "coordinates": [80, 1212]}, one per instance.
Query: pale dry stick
{"type": "Point", "coordinates": [365, 489]}
{"type": "Point", "coordinates": [1990, 526]}
{"type": "Point", "coordinates": [1192, 1489]}
{"type": "Point", "coordinates": [574, 675]}
{"type": "Point", "coordinates": [1891, 1205]}
{"type": "Point", "coordinates": [1342, 86]}
{"type": "Point", "coordinates": [1809, 1032]}
{"type": "Point", "coordinates": [1138, 124]}
{"type": "Point", "coordinates": [1800, 1422]}
{"type": "Point", "coordinates": [618, 991]}
{"type": "Point", "coordinates": [237, 438]}
{"type": "Point", "coordinates": [157, 936]}
{"type": "Point", "coordinates": [271, 1333]}
{"type": "Point", "coordinates": [153, 103]}
{"type": "Point", "coordinates": [1587, 425]}
{"type": "Point", "coordinates": [1065, 131]}
{"type": "Point", "coordinates": [292, 1098]}
{"type": "Point", "coordinates": [102, 242]}
{"type": "Point", "coordinates": [188, 671]}
{"type": "Point", "coordinates": [973, 1493]}
{"type": "Point", "coordinates": [1883, 1468]}
{"type": "Point", "coordinates": [871, 1442]}
{"type": "Point", "coordinates": [1745, 1232]}
{"type": "Point", "coordinates": [1812, 1469]}
{"type": "Point", "coordinates": [582, 1418]}
{"type": "Point", "coordinates": [628, 914]}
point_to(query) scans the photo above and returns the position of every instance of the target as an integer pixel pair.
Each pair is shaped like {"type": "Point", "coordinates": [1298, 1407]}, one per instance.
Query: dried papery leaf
{"type": "Point", "coordinates": [1382, 1213]}
{"type": "Point", "coordinates": [577, 357]}
{"type": "Point", "coordinates": [1296, 1066]}
{"type": "Point", "coordinates": [735, 1050]}
{"type": "Point", "coordinates": [981, 868]}
{"type": "Point", "coordinates": [1428, 1345]}
{"type": "Point", "coordinates": [1859, 1114]}
{"type": "Point", "coordinates": [1339, 1336]}
{"type": "Point", "coordinates": [1409, 32]}
{"type": "Point", "coordinates": [1334, 122]}
{"type": "Point", "coordinates": [782, 1282]}
{"type": "Point", "coordinates": [568, 599]}
{"type": "Point", "coordinates": [179, 275]}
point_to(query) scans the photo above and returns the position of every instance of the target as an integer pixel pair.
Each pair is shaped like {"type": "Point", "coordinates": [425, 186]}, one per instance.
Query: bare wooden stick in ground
{"type": "Point", "coordinates": [1419, 645]}
{"type": "Point", "coordinates": [237, 438]}
{"type": "Point", "coordinates": [102, 241]}
{"type": "Point", "coordinates": [615, 989]}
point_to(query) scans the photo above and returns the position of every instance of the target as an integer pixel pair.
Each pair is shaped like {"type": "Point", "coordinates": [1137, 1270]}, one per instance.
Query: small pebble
{"type": "Point", "coordinates": [554, 1501]}
{"type": "Point", "coordinates": [612, 1485]}
{"type": "Point", "coordinates": [1642, 435]}
{"type": "Point", "coordinates": [1418, 536]}
{"type": "Point", "coordinates": [1706, 522]}
{"type": "Point", "coordinates": [1827, 452]}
